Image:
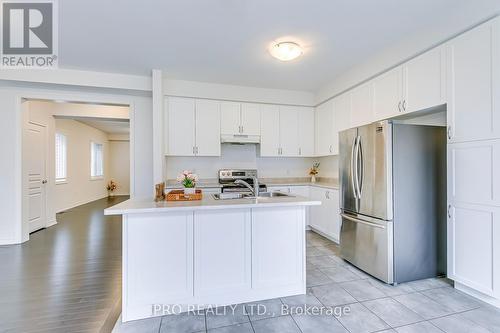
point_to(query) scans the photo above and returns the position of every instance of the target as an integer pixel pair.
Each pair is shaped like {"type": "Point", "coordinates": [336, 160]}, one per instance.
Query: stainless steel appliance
{"type": "Point", "coordinates": [228, 179]}
{"type": "Point", "coordinates": [393, 199]}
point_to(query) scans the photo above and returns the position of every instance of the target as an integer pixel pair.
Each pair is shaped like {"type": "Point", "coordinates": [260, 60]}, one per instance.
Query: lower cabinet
{"type": "Point", "coordinates": [474, 247]}
{"type": "Point", "coordinates": [325, 218]}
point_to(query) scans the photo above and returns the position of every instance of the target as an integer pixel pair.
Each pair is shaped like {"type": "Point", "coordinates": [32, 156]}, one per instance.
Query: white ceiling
{"type": "Point", "coordinates": [225, 41]}
{"type": "Point", "coordinates": [107, 126]}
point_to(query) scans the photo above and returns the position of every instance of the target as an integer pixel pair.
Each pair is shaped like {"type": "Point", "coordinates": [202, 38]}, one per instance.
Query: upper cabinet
{"type": "Point", "coordinates": [362, 105]}
{"type": "Point", "coordinates": [324, 129]}
{"type": "Point", "coordinates": [424, 81]}
{"type": "Point", "coordinates": [193, 127]}
{"type": "Point", "coordinates": [473, 87]}
{"type": "Point", "coordinates": [388, 94]}
{"type": "Point", "coordinates": [240, 118]}
{"type": "Point", "coordinates": [287, 131]}
{"type": "Point", "coordinates": [416, 85]}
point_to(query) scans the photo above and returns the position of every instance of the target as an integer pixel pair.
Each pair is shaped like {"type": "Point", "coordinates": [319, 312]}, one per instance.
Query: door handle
{"type": "Point", "coordinates": [356, 166]}
{"type": "Point", "coordinates": [371, 224]}
{"type": "Point", "coordinates": [361, 163]}
{"type": "Point", "coordinates": [353, 171]}
{"type": "Point", "coordinates": [449, 132]}
{"type": "Point", "coordinates": [44, 181]}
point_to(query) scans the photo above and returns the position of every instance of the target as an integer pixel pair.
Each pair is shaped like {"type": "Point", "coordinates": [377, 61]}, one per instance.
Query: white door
{"type": "Point", "coordinates": [315, 212]}
{"type": "Point", "coordinates": [181, 126]}
{"type": "Point", "coordinates": [332, 214]}
{"type": "Point", "coordinates": [250, 119]}
{"type": "Point", "coordinates": [270, 135]}
{"type": "Point", "coordinates": [35, 159]}
{"type": "Point", "coordinates": [473, 172]}
{"type": "Point", "coordinates": [207, 128]}
{"type": "Point", "coordinates": [474, 83]}
{"type": "Point", "coordinates": [362, 105]}
{"type": "Point", "coordinates": [424, 81]}
{"type": "Point", "coordinates": [388, 94]}
{"type": "Point", "coordinates": [342, 108]}
{"type": "Point", "coordinates": [324, 129]}
{"type": "Point", "coordinates": [306, 131]}
{"type": "Point", "coordinates": [230, 122]}
{"type": "Point", "coordinates": [289, 131]}
{"type": "Point", "coordinates": [473, 247]}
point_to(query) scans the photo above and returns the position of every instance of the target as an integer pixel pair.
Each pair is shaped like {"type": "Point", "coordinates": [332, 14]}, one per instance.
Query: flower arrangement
{"type": "Point", "coordinates": [313, 171]}
{"type": "Point", "coordinates": [187, 179]}
{"type": "Point", "coordinates": [111, 187]}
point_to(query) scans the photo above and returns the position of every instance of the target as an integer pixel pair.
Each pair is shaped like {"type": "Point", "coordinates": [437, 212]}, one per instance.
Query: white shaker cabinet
{"type": "Point", "coordinates": [289, 131]}
{"type": "Point", "coordinates": [306, 131]}
{"type": "Point", "coordinates": [324, 129]}
{"type": "Point", "coordinates": [240, 118]}
{"type": "Point", "coordinates": [325, 218]}
{"type": "Point", "coordinates": [270, 136]}
{"type": "Point", "coordinates": [180, 124]}
{"type": "Point", "coordinates": [342, 111]}
{"type": "Point", "coordinates": [250, 119]}
{"type": "Point", "coordinates": [207, 128]}
{"type": "Point", "coordinates": [362, 105]}
{"type": "Point", "coordinates": [388, 94]}
{"type": "Point", "coordinates": [230, 118]}
{"type": "Point", "coordinates": [473, 93]}
{"type": "Point", "coordinates": [193, 127]}
{"type": "Point", "coordinates": [424, 81]}
{"type": "Point", "coordinates": [474, 247]}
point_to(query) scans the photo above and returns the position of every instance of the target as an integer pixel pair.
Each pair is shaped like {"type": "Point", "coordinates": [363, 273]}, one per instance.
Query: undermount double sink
{"type": "Point", "coordinates": [229, 196]}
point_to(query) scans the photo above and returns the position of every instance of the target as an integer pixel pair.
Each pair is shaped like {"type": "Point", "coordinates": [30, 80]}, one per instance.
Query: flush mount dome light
{"type": "Point", "coordinates": [286, 51]}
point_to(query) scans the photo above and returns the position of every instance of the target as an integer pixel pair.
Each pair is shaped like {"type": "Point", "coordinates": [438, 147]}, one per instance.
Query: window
{"type": "Point", "coordinates": [61, 158]}
{"type": "Point", "coordinates": [96, 160]}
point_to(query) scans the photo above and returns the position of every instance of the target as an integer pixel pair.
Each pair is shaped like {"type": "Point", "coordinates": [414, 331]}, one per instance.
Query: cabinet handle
{"type": "Point", "coordinates": [404, 105]}
{"type": "Point", "coordinates": [196, 150]}
{"type": "Point", "coordinates": [242, 130]}
{"type": "Point", "coordinates": [193, 150]}
{"type": "Point", "coordinates": [399, 106]}
{"type": "Point", "coordinates": [327, 195]}
{"type": "Point", "coordinates": [449, 211]}
{"type": "Point", "coordinates": [449, 132]}
{"type": "Point", "coordinates": [300, 151]}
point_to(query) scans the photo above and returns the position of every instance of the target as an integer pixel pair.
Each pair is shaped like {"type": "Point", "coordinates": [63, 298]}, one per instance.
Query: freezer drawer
{"type": "Point", "coordinates": [368, 244]}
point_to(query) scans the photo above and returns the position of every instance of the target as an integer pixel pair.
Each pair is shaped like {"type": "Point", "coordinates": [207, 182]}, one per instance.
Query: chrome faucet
{"type": "Point", "coordinates": [255, 189]}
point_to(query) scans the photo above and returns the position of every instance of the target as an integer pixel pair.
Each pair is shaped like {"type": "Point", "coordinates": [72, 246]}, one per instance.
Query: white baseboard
{"type": "Point", "coordinates": [51, 222]}
{"type": "Point", "coordinates": [474, 293]}
{"type": "Point", "coordinates": [81, 203]}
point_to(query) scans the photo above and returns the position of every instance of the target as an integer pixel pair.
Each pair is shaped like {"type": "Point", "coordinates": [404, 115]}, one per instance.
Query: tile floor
{"type": "Point", "coordinates": [367, 305]}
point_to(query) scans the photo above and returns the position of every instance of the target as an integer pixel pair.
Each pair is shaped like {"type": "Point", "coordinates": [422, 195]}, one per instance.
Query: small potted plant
{"type": "Point", "coordinates": [313, 171]}
{"type": "Point", "coordinates": [111, 187]}
{"type": "Point", "coordinates": [188, 181]}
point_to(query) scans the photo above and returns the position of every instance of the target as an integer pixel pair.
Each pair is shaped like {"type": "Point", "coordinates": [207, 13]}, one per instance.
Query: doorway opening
{"type": "Point", "coordinates": [72, 153]}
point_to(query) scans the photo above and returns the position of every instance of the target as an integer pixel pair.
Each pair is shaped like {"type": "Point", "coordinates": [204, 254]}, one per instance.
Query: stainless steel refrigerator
{"type": "Point", "coordinates": [393, 200]}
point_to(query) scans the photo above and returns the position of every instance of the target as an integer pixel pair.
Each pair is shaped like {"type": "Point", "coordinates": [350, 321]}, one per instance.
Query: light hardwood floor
{"type": "Point", "coordinates": [66, 278]}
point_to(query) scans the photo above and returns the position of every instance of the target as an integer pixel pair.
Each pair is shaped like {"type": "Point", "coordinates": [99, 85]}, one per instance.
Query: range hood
{"type": "Point", "coordinates": [239, 138]}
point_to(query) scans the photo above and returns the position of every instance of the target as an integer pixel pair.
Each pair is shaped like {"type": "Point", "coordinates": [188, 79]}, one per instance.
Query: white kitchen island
{"type": "Point", "coordinates": [179, 256]}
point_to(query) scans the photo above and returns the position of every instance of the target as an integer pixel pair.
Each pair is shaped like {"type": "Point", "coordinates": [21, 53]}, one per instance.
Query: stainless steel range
{"type": "Point", "coordinates": [241, 181]}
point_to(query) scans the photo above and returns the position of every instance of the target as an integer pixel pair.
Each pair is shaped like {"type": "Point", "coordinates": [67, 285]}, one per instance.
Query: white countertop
{"type": "Point", "coordinates": [136, 206]}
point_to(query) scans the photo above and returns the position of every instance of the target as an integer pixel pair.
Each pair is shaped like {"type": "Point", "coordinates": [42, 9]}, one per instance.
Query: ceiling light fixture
{"type": "Point", "coordinates": [286, 51]}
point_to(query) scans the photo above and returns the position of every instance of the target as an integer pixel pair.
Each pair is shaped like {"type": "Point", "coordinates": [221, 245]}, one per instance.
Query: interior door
{"type": "Point", "coordinates": [348, 201]}
{"type": "Point", "coordinates": [35, 155]}
{"type": "Point", "coordinates": [374, 170]}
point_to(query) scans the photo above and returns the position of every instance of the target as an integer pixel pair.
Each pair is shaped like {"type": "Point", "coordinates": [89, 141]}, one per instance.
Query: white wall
{"type": "Point", "coordinates": [80, 188]}
{"type": "Point", "coordinates": [241, 157]}
{"type": "Point", "coordinates": [12, 228]}
{"type": "Point", "coordinates": [236, 93]}
{"type": "Point", "coordinates": [329, 167]}
{"type": "Point", "coordinates": [119, 164]}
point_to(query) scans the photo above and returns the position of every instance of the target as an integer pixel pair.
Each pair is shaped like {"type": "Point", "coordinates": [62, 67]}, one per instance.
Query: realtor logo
{"type": "Point", "coordinates": [29, 34]}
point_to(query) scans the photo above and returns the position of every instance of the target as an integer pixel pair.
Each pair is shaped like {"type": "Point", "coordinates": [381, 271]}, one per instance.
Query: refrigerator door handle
{"type": "Point", "coordinates": [357, 220]}
{"type": "Point", "coordinates": [353, 170]}
{"type": "Point", "coordinates": [356, 166]}
{"type": "Point", "coordinates": [361, 163]}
